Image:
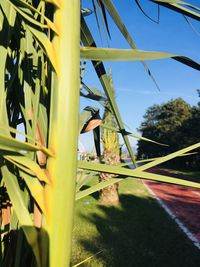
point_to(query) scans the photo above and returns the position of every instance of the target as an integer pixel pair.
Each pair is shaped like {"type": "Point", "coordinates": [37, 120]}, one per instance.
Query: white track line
{"type": "Point", "coordinates": [173, 216]}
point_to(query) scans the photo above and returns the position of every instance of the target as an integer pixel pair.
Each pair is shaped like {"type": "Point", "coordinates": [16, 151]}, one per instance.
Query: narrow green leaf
{"type": "Point", "coordinates": [167, 179]}
{"type": "Point", "coordinates": [103, 16]}
{"type": "Point", "coordinates": [10, 144]}
{"type": "Point", "coordinates": [27, 17]}
{"type": "Point", "coordinates": [83, 177]}
{"type": "Point", "coordinates": [188, 5]}
{"type": "Point", "coordinates": [131, 134]}
{"type": "Point", "coordinates": [169, 157]}
{"type": "Point", "coordinates": [86, 260]}
{"type": "Point", "coordinates": [176, 6]}
{"type": "Point", "coordinates": [152, 159]}
{"type": "Point", "coordinates": [88, 40]}
{"type": "Point", "coordinates": [7, 22]}
{"type": "Point", "coordinates": [3, 110]}
{"type": "Point", "coordinates": [23, 135]}
{"type": "Point", "coordinates": [119, 23]}
{"type": "Point", "coordinates": [110, 54]}
{"type": "Point", "coordinates": [46, 45]}
{"type": "Point", "coordinates": [30, 165]}
{"type": "Point", "coordinates": [93, 94]}
{"type": "Point", "coordinates": [135, 173]}
{"type": "Point", "coordinates": [21, 210]}
{"type": "Point", "coordinates": [191, 25]}
{"type": "Point", "coordinates": [20, 3]}
{"type": "Point", "coordinates": [96, 188]}
{"type": "Point", "coordinates": [144, 13]}
{"type": "Point", "coordinates": [36, 189]}
{"type": "Point", "coordinates": [16, 197]}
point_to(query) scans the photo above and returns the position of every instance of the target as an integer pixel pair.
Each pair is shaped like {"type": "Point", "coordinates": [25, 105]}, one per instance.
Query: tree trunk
{"type": "Point", "coordinates": [109, 195]}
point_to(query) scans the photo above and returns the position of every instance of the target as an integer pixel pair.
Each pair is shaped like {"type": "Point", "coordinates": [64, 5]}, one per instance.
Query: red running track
{"type": "Point", "coordinates": [183, 202]}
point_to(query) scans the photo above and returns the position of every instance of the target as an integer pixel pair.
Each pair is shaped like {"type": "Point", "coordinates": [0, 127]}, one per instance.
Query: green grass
{"type": "Point", "coordinates": [136, 233]}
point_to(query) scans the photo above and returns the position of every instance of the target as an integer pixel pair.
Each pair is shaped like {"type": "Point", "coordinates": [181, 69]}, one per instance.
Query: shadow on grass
{"type": "Point", "coordinates": [137, 233]}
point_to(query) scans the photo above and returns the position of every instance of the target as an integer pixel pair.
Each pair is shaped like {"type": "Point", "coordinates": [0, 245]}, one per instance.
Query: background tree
{"type": "Point", "coordinates": [174, 123]}
{"type": "Point", "coordinates": [149, 129]}
{"type": "Point", "coordinates": [190, 134]}
{"type": "Point", "coordinates": [163, 123]}
{"type": "Point", "coordinates": [170, 120]}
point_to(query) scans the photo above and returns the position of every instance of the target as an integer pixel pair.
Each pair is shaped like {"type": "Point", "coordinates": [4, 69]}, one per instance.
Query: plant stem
{"type": "Point", "coordinates": [63, 138]}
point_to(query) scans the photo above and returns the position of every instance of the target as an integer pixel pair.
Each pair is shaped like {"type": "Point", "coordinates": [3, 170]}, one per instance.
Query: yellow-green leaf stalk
{"type": "Point", "coordinates": [63, 137]}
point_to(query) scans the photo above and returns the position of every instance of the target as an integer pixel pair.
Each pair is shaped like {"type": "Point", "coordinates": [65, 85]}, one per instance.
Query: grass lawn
{"type": "Point", "coordinates": [136, 233]}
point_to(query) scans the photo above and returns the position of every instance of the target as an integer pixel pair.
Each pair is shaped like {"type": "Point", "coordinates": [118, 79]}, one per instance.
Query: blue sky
{"type": "Point", "coordinates": [135, 91]}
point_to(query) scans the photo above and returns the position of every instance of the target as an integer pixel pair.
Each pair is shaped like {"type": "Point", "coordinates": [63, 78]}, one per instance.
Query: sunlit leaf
{"type": "Point", "coordinates": [96, 188]}
{"type": "Point", "coordinates": [88, 40]}
{"type": "Point", "coordinates": [176, 5]}
{"type": "Point", "coordinates": [36, 189]}
{"type": "Point", "coordinates": [121, 26]}
{"type": "Point", "coordinates": [46, 45]}
{"type": "Point", "coordinates": [17, 6]}
{"type": "Point", "coordinates": [12, 144]}
{"type": "Point", "coordinates": [131, 134]}
{"type": "Point", "coordinates": [110, 54]}
{"type": "Point", "coordinates": [135, 173]}
{"type": "Point", "coordinates": [169, 157]}
{"type": "Point", "coordinates": [30, 165]}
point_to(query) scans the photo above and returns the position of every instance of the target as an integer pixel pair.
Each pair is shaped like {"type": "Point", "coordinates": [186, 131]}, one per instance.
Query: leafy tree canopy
{"type": "Point", "coordinates": [174, 123]}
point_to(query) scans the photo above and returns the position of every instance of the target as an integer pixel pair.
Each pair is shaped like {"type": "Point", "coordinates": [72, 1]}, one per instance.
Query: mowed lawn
{"type": "Point", "coordinates": [136, 233]}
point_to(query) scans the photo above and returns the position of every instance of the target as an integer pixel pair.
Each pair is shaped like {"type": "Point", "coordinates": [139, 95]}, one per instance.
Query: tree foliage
{"type": "Point", "coordinates": [174, 123]}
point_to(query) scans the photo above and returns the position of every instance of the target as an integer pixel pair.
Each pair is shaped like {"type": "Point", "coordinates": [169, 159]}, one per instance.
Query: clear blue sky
{"type": "Point", "coordinates": [135, 91]}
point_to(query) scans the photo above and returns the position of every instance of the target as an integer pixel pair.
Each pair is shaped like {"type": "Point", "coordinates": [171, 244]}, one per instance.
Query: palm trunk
{"type": "Point", "coordinates": [109, 195]}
